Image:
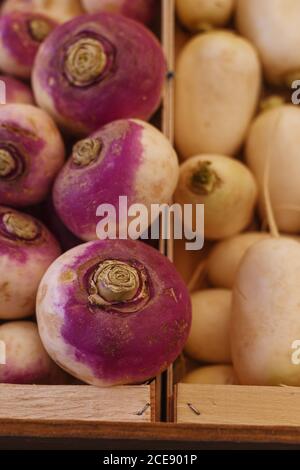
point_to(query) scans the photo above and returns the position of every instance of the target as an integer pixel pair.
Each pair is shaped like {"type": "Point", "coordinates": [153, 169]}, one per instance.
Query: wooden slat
{"type": "Point", "coordinates": [238, 406]}
{"type": "Point", "coordinates": [80, 403]}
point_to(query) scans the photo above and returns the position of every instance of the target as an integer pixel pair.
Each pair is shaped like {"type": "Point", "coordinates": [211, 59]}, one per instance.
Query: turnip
{"type": "Point", "coordinates": [27, 249]}
{"type": "Point", "coordinates": [140, 10]}
{"type": "Point", "coordinates": [217, 90]}
{"type": "Point", "coordinates": [21, 35]}
{"type": "Point", "coordinates": [209, 336]}
{"type": "Point", "coordinates": [273, 27]}
{"type": "Point", "coordinates": [113, 312]}
{"type": "Point", "coordinates": [59, 10]}
{"type": "Point", "coordinates": [31, 154]}
{"type": "Point", "coordinates": [27, 362]}
{"type": "Point", "coordinates": [16, 91]}
{"type": "Point", "coordinates": [227, 189]}
{"type": "Point", "coordinates": [199, 15]}
{"type": "Point", "coordinates": [283, 148]}
{"type": "Point", "coordinates": [265, 319]}
{"type": "Point", "coordinates": [99, 68]}
{"type": "Point", "coordinates": [212, 375]}
{"type": "Point", "coordinates": [225, 257]}
{"type": "Point", "coordinates": [137, 161]}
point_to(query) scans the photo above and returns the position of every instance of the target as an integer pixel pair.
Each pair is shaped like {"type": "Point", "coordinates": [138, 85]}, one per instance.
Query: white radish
{"type": "Point", "coordinates": [209, 337]}
{"type": "Point", "coordinates": [217, 90]}
{"type": "Point", "coordinates": [212, 375]}
{"type": "Point", "coordinates": [197, 15]}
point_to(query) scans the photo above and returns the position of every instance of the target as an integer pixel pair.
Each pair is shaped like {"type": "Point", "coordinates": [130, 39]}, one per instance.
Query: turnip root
{"type": "Point", "coordinates": [21, 35]}
{"type": "Point", "coordinates": [16, 91]}
{"type": "Point", "coordinates": [273, 27]}
{"type": "Point", "coordinates": [217, 90]}
{"type": "Point", "coordinates": [226, 188]}
{"type": "Point", "coordinates": [59, 10]}
{"type": "Point", "coordinates": [209, 336]}
{"type": "Point", "coordinates": [27, 362]}
{"type": "Point", "coordinates": [212, 375]}
{"type": "Point", "coordinates": [225, 257]}
{"type": "Point", "coordinates": [265, 319]}
{"type": "Point", "coordinates": [99, 68]}
{"type": "Point", "coordinates": [198, 15]}
{"type": "Point", "coordinates": [139, 10]}
{"type": "Point", "coordinates": [113, 312]}
{"type": "Point", "coordinates": [31, 154]}
{"type": "Point", "coordinates": [26, 251]}
{"type": "Point", "coordinates": [131, 153]}
{"type": "Point", "coordinates": [283, 147]}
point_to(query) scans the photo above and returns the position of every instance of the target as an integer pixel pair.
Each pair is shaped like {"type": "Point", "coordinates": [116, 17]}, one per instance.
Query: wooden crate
{"type": "Point", "coordinates": [80, 411]}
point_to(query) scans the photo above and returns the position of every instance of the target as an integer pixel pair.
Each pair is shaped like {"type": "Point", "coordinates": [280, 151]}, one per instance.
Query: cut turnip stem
{"type": "Point", "coordinates": [99, 68]}
{"type": "Point", "coordinates": [16, 91]}
{"type": "Point", "coordinates": [140, 10]}
{"type": "Point", "coordinates": [26, 361]}
{"type": "Point", "coordinates": [31, 154]}
{"type": "Point", "coordinates": [113, 312]}
{"type": "Point", "coordinates": [26, 250]}
{"type": "Point", "coordinates": [125, 158]}
{"type": "Point", "coordinates": [21, 35]}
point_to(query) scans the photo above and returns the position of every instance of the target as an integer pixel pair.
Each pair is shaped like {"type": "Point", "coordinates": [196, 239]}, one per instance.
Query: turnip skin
{"type": "Point", "coordinates": [125, 81]}
{"type": "Point", "coordinates": [36, 151]}
{"type": "Point", "coordinates": [229, 193]}
{"type": "Point", "coordinates": [104, 345]}
{"type": "Point", "coordinates": [265, 319]}
{"type": "Point", "coordinates": [225, 257]}
{"type": "Point", "coordinates": [203, 14]}
{"type": "Point", "coordinates": [59, 10]}
{"type": "Point", "coordinates": [212, 375]}
{"type": "Point", "coordinates": [272, 26]}
{"type": "Point", "coordinates": [283, 146]}
{"type": "Point", "coordinates": [19, 42]}
{"type": "Point", "coordinates": [135, 157]}
{"type": "Point", "coordinates": [139, 10]}
{"type": "Point", "coordinates": [27, 362]}
{"type": "Point", "coordinates": [23, 262]}
{"type": "Point", "coordinates": [17, 91]}
{"type": "Point", "coordinates": [217, 91]}
{"type": "Point", "coordinates": [209, 336]}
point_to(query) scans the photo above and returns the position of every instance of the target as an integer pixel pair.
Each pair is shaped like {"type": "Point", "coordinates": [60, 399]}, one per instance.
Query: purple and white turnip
{"type": "Point", "coordinates": [125, 158]}
{"type": "Point", "coordinates": [113, 312]}
{"type": "Point", "coordinates": [99, 68]}
{"type": "Point", "coordinates": [31, 154]}
{"type": "Point", "coordinates": [26, 250]}
{"type": "Point", "coordinates": [26, 361]}
{"type": "Point", "coordinates": [139, 10]}
{"type": "Point", "coordinates": [16, 91]}
{"type": "Point", "coordinates": [59, 10]}
{"type": "Point", "coordinates": [21, 35]}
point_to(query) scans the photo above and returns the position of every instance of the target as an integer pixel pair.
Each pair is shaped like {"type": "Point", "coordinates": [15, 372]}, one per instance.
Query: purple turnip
{"type": "Point", "coordinates": [26, 361]}
{"type": "Point", "coordinates": [31, 154]}
{"type": "Point", "coordinates": [125, 158]}
{"type": "Point", "coordinates": [16, 91]}
{"type": "Point", "coordinates": [26, 251]}
{"type": "Point", "coordinates": [96, 69]}
{"type": "Point", "coordinates": [59, 10]}
{"type": "Point", "coordinates": [140, 10]}
{"type": "Point", "coordinates": [21, 35]}
{"type": "Point", "coordinates": [113, 312]}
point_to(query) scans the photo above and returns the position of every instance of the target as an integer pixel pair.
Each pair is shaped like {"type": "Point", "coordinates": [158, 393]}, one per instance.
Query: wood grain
{"type": "Point", "coordinates": [80, 403]}
{"type": "Point", "coordinates": [238, 405]}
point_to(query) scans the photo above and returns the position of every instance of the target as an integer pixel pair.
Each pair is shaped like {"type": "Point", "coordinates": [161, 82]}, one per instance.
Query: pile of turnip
{"type": "Point", "coordinates": [238, 134]}
{"type": "Point", "coordinates": [82, 82]}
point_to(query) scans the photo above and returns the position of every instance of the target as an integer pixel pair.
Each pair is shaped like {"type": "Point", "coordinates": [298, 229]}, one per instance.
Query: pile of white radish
{"type": "Point", "coordinates": [242, 162]}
